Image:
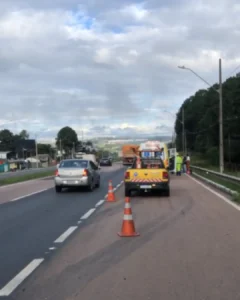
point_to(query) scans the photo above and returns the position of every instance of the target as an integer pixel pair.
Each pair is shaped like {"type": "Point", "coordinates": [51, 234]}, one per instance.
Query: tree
{"type": "Point", "coordinates": [24, 135]}
{"type": "Point", "coordinates": [201, 113]}
{"type": "Point", "coordinates": [66, 139]}
{"type": "Point", "coordinates": [6, 140]}
{"type": "Point", "coordinates": [45, 149]}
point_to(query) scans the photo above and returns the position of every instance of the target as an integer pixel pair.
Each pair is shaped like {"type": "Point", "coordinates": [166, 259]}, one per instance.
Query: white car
{"type": "Point", "coordinates": [76, 173]}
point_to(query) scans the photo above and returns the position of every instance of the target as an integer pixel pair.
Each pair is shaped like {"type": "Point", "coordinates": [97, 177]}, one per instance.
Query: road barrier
{"type": "Point", "coordinates": [217, 185]}
{"type": "Point", "coordinates": [225, 176]}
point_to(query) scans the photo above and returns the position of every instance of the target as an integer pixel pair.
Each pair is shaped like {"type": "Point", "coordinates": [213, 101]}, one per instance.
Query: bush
{"type": "Point", "coordinates": [212, 156]}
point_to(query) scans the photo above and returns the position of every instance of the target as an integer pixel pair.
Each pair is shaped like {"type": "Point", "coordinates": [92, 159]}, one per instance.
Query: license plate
{"type": "Point", "coordinates": [70, 182]}
{"type": "Point", "coordinates": [145, 186]}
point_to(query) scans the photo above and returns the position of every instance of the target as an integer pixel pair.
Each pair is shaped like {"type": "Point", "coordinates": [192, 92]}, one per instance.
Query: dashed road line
{"type": "Point", "coordinates": [20, 277]}
{"type": "Point", "coordinates": [79, 222]}
{"type": "Point", "coordinates": [31, 194]}
{"type": "Point", "coordinates": [100, 203]}
{"type": "Point", "coordinates": [52, 248]}
{"type": "Point", "coordinates": [66, 234]}
{"type": "Point", "coordinates": [88, 213]}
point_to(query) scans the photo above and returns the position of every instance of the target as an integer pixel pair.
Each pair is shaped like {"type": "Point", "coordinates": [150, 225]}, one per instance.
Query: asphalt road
{"type": "Point", "coordinates": [188, 247]}
{"type": "Point", "coordinates": [29, 227]}
{"type": "Point", "coordinates": [24, 172]}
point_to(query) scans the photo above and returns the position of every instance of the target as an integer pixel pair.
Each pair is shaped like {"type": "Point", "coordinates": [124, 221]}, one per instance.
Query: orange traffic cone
{"type": "Point", "coordinates": [138, 164]}
{"type": "Point", "coordinates": [111, 196]}
{"type": "Point", "coordinates": [128, 228]}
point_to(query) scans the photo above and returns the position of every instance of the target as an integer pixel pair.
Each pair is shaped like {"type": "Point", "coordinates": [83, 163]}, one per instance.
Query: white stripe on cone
{"type": "Point", "coordinates": [127, 218]}
{"type": "Point", "coordinates": [127, 205]}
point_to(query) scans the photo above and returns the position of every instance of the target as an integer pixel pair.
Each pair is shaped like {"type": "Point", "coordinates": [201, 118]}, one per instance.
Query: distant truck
{"type": "Point", "coordinates": [129, 153]}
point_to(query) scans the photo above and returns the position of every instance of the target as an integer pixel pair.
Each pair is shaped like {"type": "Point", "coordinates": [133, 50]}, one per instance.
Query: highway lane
{"type": "Point", "coordinates": [188, 248]}
{"type": "Point", "coordinates": [24, 172]}
{"type": "Point", "coordinates": [30, 226]}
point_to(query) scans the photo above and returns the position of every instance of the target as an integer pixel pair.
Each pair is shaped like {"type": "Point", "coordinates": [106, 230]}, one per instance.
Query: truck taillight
{"type": "Point", "coordinates": [56, 173]}
{"type": "Point", "coordinates": [85, 172]}
{"type": "Point", "coordinates": [127, 175]}
{"type": "Point", "coordinates": [165, 175]}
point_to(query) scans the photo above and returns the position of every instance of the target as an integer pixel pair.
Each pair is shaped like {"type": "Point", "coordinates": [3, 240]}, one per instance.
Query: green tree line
{"type": "Point", "coordinates": [201, 115]}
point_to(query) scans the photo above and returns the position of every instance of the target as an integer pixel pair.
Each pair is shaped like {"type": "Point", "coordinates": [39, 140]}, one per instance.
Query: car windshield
{"type": "Point", "coordinates": [82, 164]}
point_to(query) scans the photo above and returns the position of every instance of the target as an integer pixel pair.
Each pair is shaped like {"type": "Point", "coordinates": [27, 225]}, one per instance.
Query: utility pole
{"type": "Point", "coordinates": [60, 146]}
{"type": "Point", "coordinates": [183, 131]}
{"type": "Point", "coordinates": [36, 149]}
{"type": "Point", "coordinates": [73, 150]}
{"type": "Point", "coordinates": [221, 146]}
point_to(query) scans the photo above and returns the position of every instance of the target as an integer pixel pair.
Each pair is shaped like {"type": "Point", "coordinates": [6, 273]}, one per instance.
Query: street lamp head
{"type": "Point", "coordinates": [181, 67]}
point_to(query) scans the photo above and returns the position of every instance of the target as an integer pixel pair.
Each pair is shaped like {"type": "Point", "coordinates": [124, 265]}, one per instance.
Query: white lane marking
{"type": "Point", "coordinates": [79, 222]}
{"type": "Point", "coordinates": [106, 196]}
{"type": "Point", "coordinates": [88, 213]}
{"type": "Point", "coordinates": [20, 277]}
{"type": "Point", "coordinates": [52, 248]}
{"type": "Point", "coordinates": [99, 203]}
{"type": "Point", "coordinates": [118, 185]}
{"type": "Point", "coordinates": [66, 234]}
{"type": "Point", "coordinates": [114, 189]}
{"type": "Point", "coordinates": [31, 194]}
{"type": "Point", "coordinates": [216, 193]}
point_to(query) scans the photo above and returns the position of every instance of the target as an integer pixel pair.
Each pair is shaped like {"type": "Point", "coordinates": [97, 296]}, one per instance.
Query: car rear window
{"type": "Point", "coordinates": [82, 164]}
{"type": "Point", "coordinates": [153, 163]}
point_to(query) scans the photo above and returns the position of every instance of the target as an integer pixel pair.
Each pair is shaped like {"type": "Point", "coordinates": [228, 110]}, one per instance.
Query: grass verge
{"type": "Point", "coordinates": [200, 162]}
{"type": "Point", "coordinates": [26, 177]}
{"type": "Point", "coordinates": [234, 186]}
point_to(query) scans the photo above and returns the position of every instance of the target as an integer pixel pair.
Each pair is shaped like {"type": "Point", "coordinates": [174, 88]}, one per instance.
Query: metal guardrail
{"type": "Point", "coordinates": [226, 176]}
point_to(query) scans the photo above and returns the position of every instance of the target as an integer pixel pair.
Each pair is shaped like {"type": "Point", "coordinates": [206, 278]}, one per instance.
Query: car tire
{"type": "Point", "coordinates": [58, 189]}
{"type": "Point", "coordinates": [91, 187]}
{"type": "Point", "coordinates": [98, 184]}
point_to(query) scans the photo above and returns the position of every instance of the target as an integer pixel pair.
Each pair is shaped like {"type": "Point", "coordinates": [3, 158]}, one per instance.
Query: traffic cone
{"type": "Point", "coordinates": [128, 228]}
{"type": "Point", "coordinates": [111, 196]}
{"type": "Point", "coordinates": [138, 162]}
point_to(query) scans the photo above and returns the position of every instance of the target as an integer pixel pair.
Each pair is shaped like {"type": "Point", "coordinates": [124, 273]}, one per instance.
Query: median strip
{"type": "Point", "coordinates": [26, 177]}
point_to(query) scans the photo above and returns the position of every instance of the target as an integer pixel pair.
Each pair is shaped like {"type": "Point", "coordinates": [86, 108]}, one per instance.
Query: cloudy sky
{"type": "Point", "coordinates": [109, 67]}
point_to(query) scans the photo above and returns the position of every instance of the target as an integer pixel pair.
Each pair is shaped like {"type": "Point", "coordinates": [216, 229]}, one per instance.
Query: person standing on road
{"type": "Point", "coordinates": [179, 164]}
{"type": "Point", "coordinates": [188, 163]}
{"type": "Point", "coordinates": [184, 165]}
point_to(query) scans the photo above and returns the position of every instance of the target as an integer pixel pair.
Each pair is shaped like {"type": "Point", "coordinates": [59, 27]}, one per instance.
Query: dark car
{"type": "Point", "coordinates": [105, 161]}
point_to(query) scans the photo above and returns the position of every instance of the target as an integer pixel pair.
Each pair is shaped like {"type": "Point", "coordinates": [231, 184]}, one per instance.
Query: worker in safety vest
{"type": "Point", "coordinates": [179, 162]}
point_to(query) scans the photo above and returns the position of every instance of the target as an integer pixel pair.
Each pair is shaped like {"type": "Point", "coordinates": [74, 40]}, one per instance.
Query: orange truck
{"type": "Point", "coordinates": [129, 153]}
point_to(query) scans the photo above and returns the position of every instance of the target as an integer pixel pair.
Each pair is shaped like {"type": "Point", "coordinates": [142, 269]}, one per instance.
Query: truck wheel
{"type": "Point", "coordinates": [127, 193]}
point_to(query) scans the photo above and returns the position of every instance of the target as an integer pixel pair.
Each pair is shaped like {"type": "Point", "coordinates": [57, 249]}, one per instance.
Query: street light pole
{"type": "Point", "coordinates": [36, 150]}
{"type": "Point", "coordinates": [219, 91]}
{"type": "Point", "coordinates": [221, 146]}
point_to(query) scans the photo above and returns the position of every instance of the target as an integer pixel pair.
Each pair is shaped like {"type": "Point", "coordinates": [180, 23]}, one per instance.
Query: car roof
{"type": "Point", "coordinates": [75, 159]}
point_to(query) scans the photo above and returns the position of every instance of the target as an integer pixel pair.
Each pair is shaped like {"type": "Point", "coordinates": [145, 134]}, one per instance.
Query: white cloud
{"type": "Point", "coordinates": [109, 63]}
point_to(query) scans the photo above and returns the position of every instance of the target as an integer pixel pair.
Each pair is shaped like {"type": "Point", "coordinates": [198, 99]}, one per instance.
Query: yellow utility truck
{"type": "Point", "coordinates": [149, 170]}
